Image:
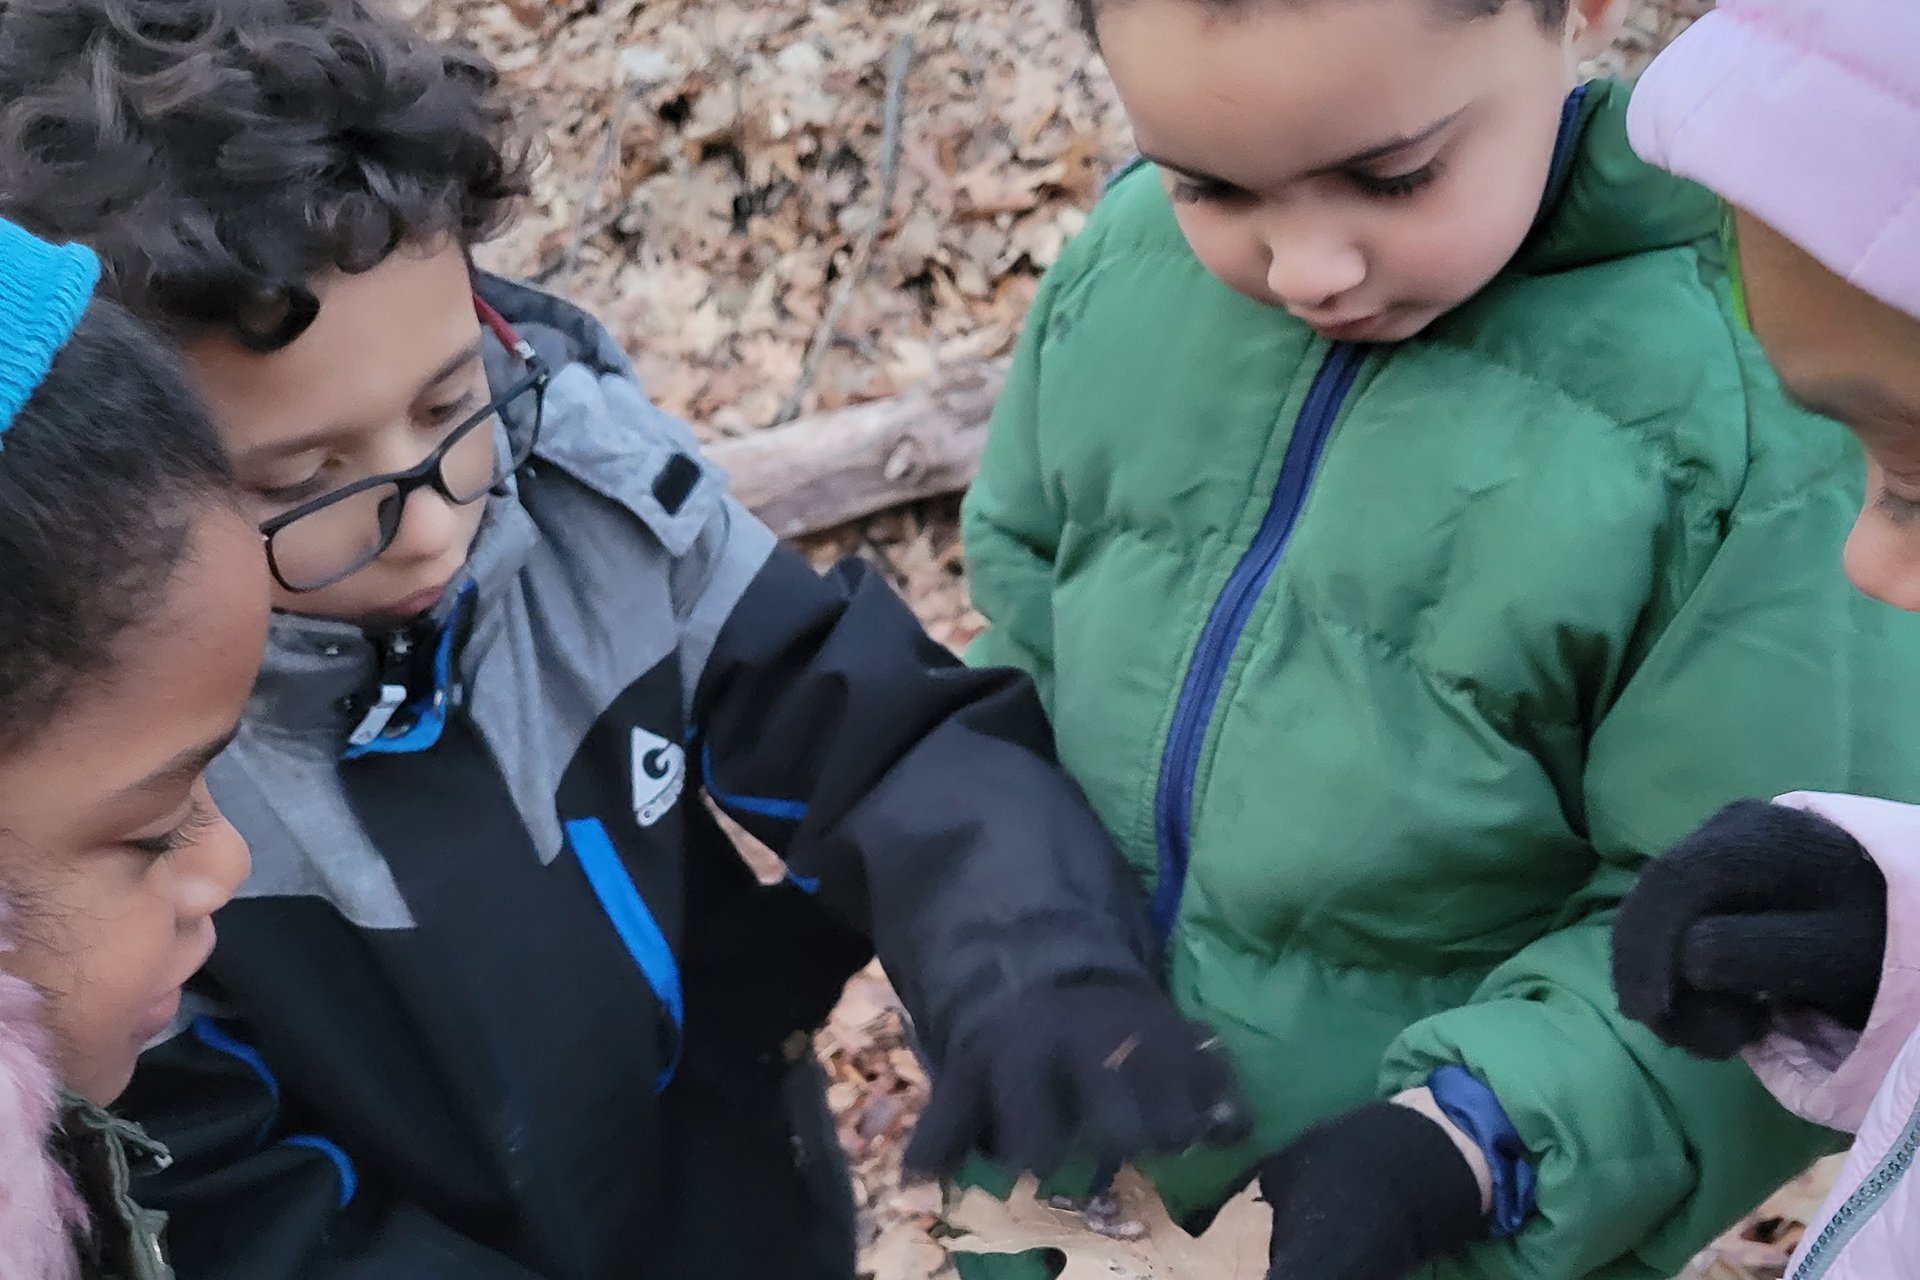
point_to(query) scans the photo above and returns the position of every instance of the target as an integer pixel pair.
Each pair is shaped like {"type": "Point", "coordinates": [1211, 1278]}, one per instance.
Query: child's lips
{"type": "Point", "coordinates": [419, 602]}
{"type": "Point", "coordinates": [167, 1005]}
{"type": "Point", "coordinates": [1353, 330]}
{"type": "Point", "coordinates": [158, 1017]}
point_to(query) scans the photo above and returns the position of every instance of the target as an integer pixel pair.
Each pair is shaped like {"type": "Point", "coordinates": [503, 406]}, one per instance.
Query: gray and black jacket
{"type": "Point", "coordinates": [499, 1000]}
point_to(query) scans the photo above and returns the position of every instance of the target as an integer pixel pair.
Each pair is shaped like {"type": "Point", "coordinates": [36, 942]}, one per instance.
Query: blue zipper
{"type": "Point", "coordinates": [1180, 762]}
{"type": "Point", "coordinates": [1207, 675]}
{"type": "Point", "coordinates": [1860, 1207]}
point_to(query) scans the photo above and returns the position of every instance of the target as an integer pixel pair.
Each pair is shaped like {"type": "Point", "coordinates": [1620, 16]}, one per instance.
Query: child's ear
{"type": "Point", "coordinates": [1593, 26]}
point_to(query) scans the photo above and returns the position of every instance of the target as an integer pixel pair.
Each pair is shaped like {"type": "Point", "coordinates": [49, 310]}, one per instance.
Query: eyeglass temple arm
{"type": "Point", "coordinates": [509, 338]}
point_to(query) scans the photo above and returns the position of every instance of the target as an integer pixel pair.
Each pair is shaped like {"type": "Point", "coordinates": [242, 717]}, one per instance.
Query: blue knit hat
{"type": "Point", "coordinates": [44, 289]}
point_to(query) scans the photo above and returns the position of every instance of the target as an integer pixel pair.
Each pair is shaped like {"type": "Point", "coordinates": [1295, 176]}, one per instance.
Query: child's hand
{"type": "Point", "coordinates": [1105, 1068]}
{"type": "Point", "coordinates": [1370, 1195]}
{"type": "Point", "coordinates": [1763, 907]}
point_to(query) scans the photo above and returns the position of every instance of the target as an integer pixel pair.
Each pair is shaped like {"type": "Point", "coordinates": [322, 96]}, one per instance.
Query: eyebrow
{"type": "Point", "coordinates": [186, 766]}
{"type": "Point", "coordinates": [314, 439]}
{"type": "Point", "coordinates": [1358, 160]}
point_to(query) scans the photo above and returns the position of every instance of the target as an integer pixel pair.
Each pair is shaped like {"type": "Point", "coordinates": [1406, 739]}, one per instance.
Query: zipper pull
{"type": "Point", "coordinates": [394, 664]}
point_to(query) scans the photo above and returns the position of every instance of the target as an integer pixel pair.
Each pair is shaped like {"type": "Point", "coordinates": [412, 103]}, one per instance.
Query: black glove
{"type": "Point", "coordinates": [1761, 910]}
{"type": "Point", "coordinates": [1371, 1195]}
{"type": "Point", "coordinates": [1106, 1068]}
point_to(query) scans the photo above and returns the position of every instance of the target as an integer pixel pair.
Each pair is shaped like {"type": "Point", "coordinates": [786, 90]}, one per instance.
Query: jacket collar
{"type": "Point", "coordinates": [1604, 202]}
{"type": "Point", "coordinates": [104, 1153]}
{"type": "Point", "coordinates": [318, 674]}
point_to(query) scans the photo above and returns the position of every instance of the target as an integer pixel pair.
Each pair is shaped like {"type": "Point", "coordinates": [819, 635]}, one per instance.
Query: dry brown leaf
{"type": "Point", "coordinates": [1234, 1247]}
{"type": "Point", "coordinates": [1801, 1199]}
{"type": "Point", "coordinates": [905, 1252]}
{"type": "Point", "coordinates": [1039, 237]}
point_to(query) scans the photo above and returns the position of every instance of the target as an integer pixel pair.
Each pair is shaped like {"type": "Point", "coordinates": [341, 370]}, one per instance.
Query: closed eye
{"type": "Point", "coordinates": [1205, 191]}
{"type": "Point", "coordinates": [293, 494]}
{"type": "Point", "coordinates": [1398, 186]}
{"type": "Point", "coordinates": [1897, 510]}
{"type": "Point", "coordinates": [441, 415]}
{"type": "Point", "coordinates": [199, 818]}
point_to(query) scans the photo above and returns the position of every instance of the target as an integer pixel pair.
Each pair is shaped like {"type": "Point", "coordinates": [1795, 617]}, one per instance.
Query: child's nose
{"type": "Point", "coordinates": [215, 872]}
{"type": "Point", "coordinates": [1883, 560]}
{"type": "Point", "coordinates": [1308, 274]}
{"type": "Point", "coordinates": [427, 524]}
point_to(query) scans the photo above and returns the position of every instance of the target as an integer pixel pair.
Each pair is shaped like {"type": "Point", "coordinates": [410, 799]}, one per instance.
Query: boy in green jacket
{"type": "Point", "coordinates": [1408, 542]}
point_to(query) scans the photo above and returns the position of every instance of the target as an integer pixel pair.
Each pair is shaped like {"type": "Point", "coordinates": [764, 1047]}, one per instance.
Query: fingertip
{"type": "Point", "coordinates": [1715, 1028]}
{"type": "Point", "coordinates": [1036, 1118]}
{"type": "Point", "coordinates": [1043, 1152]}
{"type": "Point", "coordinates": [1645, 1004]}
{"type": "Point", "coordinates": [914, 1173]}
{"type": "Point", "coordinates": [932, 1150]}
{"type": "Point", "coordinates": [955, 1122]}
{"type": "Point", "coordinates": [1643, 963]}
{"type": "Point", "coordinates": [1212, 1109]}
{"type": "Point", "coordinates": [1120, 1112]}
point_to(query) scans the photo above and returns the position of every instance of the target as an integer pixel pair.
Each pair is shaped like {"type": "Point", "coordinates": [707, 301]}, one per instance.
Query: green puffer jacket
{"type": "Point", "coordinates": [1388, 667]}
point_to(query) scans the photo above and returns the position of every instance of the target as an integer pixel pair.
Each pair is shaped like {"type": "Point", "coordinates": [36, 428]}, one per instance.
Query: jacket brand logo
{"type": "Point", "coordinates": [659, 776]}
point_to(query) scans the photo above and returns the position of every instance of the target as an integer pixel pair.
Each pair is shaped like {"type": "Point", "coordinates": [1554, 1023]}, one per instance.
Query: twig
{"type": "Point", "coordinates": [898, 61]}
{"type": "Point", "coordinates": [571, 261]}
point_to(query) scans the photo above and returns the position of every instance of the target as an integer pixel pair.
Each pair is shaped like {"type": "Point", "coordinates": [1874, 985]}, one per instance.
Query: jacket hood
{"type": "Point", "coordinates": [1805, 113]}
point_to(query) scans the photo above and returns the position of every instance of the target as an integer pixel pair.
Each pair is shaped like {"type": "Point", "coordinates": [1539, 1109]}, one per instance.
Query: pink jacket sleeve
{"type": "Point", "coordinates": [1816, 1068]}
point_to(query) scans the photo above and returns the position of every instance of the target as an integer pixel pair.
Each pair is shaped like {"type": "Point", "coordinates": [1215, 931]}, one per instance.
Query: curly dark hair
{"type": "Point", "coordinates": [1551, 12]}
{"type": "Point", "coordinates": [104, 470]}
{"type": "Point", "coordinates": [221, 154]}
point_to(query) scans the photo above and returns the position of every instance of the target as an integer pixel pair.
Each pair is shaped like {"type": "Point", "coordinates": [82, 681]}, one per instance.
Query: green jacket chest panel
{"type": "Point", "coordinates": [1474, 555]}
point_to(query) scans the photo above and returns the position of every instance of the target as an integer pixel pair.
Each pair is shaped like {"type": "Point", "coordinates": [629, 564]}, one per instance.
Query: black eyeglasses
{"type": "Point", "coordinates": [338, 534]}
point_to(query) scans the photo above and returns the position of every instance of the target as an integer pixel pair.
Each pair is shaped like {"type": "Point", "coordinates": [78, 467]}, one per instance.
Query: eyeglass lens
{"type": "Point", "coordinates": [346, 535]}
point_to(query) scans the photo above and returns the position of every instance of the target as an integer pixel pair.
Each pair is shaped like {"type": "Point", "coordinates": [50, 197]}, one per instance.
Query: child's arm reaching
{"type": "Point", "coordinates": [1759, 680]}
{"type": "Point", "coordinates": [923, 801]}
{"type": "Point", "coordinates": [1759, 671]}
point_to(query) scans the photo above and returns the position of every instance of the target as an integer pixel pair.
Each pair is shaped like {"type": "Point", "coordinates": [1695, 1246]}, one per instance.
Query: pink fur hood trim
{"type": "Point", "coordinates": [39, 1209]}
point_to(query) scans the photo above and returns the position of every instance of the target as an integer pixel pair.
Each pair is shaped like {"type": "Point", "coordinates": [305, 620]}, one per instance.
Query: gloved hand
{"type": "Point", "coordinates": [1370, 1195]}
{"type": "Point", "coordinates": [1764, 908]}
{"type": "Point", "coordinates": [1105, 1068]}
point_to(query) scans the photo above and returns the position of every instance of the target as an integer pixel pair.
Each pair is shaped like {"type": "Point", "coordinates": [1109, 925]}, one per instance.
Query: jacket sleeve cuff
{"type": "Point", "coordinates": [1472, 1109]}
{"type": "Point", "coordinates": [1641, 1153]}
{"type": "Point", "coordinates": [1822, 1071]}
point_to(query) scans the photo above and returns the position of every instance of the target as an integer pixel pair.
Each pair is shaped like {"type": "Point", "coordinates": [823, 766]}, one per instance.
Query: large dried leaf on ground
{"type": "Point", "coordinates": [1151, 1246]}
{"type": "Point", "coordinates": [906, 1253]}
{"type": "Point", "coordinates": [1761, 1246]}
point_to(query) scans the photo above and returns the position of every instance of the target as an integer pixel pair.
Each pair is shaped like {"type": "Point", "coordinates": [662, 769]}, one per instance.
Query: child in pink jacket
{"type": "Point", "coordinates": [1791, 930]}
{"type": "Point", "coordinates": [133, 609]}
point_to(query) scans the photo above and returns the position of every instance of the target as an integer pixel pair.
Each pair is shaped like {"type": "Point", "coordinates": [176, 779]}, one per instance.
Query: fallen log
{"type": "Point", "coordinates": [828, 469]}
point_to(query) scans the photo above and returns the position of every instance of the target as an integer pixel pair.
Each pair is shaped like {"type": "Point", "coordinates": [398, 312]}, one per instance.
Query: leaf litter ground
{"type": "Point", "coordinates": [710, 174]}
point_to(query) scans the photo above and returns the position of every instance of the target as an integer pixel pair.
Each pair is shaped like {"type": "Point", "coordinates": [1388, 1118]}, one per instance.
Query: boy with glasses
{"type": "Point", "coordinates": [498, 1000]}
